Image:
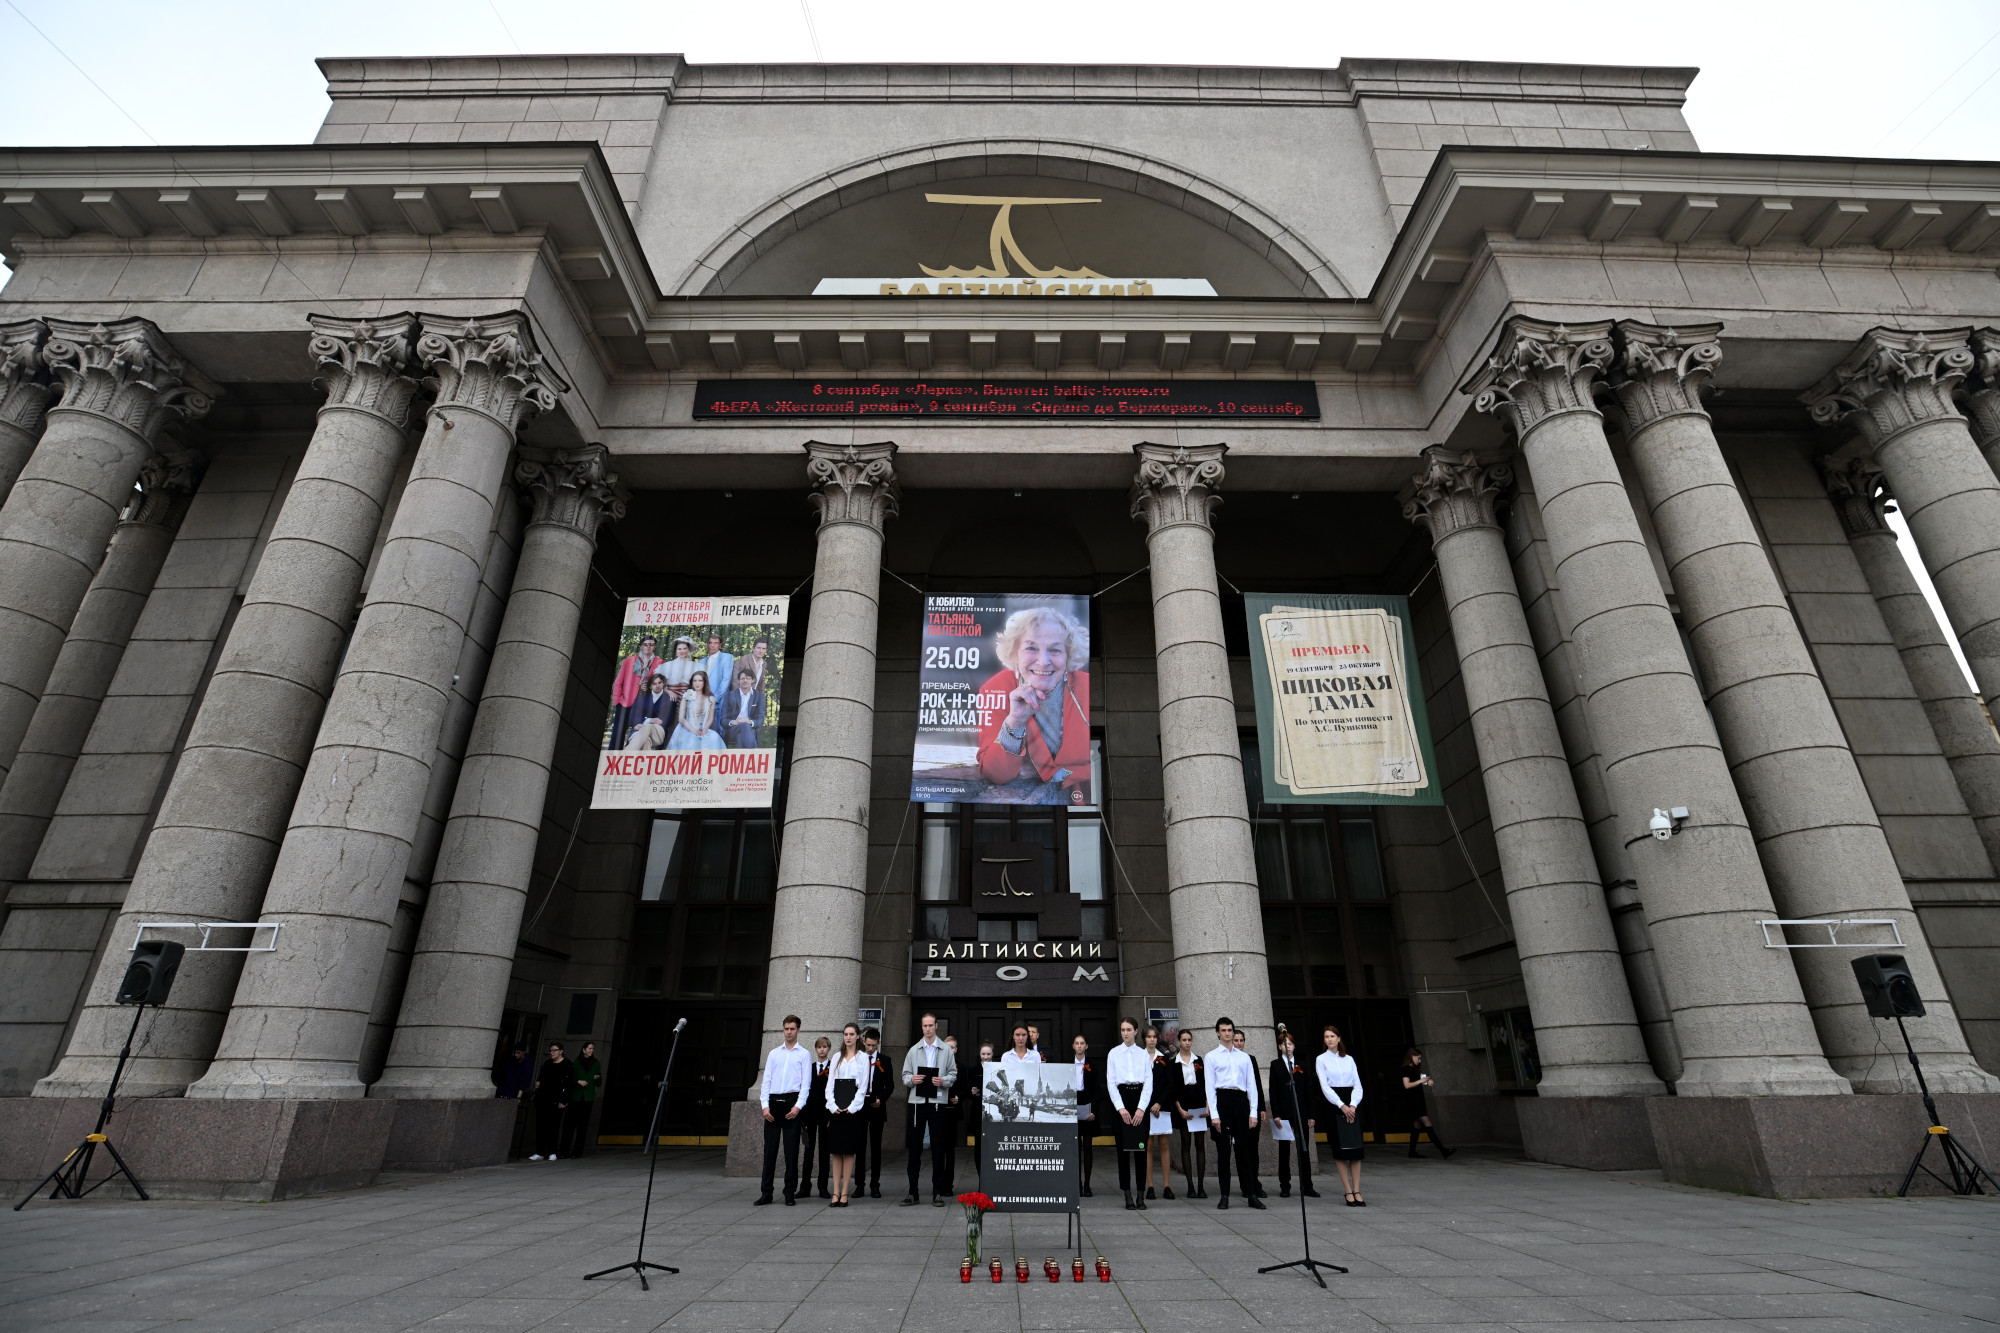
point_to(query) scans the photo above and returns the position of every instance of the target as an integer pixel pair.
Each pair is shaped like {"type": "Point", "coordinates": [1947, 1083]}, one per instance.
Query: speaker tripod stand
{"type": "Point", "coordinates": [69, 1176]}
{"type": "Point", "coordinates": [1964, 1167]}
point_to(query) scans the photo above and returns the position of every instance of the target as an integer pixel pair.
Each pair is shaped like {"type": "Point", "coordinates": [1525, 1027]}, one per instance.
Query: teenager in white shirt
{"type": "Point", "coordinates": [1232, 1104]}
{"type": "Point", "coordinates": [787, 1076]}
{"type": "Point", "coordinates": [844, 1129]}
{"type": "Point", "coordinates": [1340, 1084]}
{"type": "Point", "coordinates": [1021, 1053]}
{"type": "Point", "coordinates": [1191, 1114]}
{"type": "Point", "coordinates": [1128, 1078]}
{"type": "Point", "coordinates": [1159, 1119]}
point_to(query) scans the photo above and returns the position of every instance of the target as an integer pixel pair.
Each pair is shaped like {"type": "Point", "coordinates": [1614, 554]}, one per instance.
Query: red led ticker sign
{"type": "Point", "coordinates": [1034, 400]}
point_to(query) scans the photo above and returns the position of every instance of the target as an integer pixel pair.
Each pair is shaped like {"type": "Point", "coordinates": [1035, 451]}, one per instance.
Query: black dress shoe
{"type": "Point", "coordinates": [1086, 1192]}
{"type": "Point", "coordinates": [1167, 1193]}
{"type": "Point", "coordinates": [910, 1202]}
{"type": "Point", "coordinates": [1129, 1205]}
{"type": "Point", "coordinates": [761, 1201]}
{"type": "Point", "coordinates": [1141, 1205]}
{"type": "Point", "coordinates": [790, 1202]}
{"type": "Point", "coordinates": [1284, 1191]}
{"type": "Point", "coordinates": [937, 1201]}
{"type": "Point", "coordinates": [1224, 1202]}
{"type": "Point", "coordinates": [1256, 1202]}
{"type": "Point", "coordinates": [1151, 1195]}
{"type": "Point", "coordinates": [874, 1191]}
{"type": "Point", "coordinates": [1309, 1191]}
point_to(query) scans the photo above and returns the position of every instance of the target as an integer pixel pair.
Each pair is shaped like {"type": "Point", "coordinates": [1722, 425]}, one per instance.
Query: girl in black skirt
{"type": "Point", "coordinates": [846, 1094]}
{"type": "Point", "coordinates": [1415, 1080]}
{"type": "Point", "coordinates": [1340, 1087]}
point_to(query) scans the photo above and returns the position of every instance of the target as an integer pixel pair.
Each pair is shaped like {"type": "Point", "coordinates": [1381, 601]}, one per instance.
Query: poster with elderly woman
{"type": "Point", "coordinates": [1003, 705]}
{"type": "Point", "coordinates": [693, 721]}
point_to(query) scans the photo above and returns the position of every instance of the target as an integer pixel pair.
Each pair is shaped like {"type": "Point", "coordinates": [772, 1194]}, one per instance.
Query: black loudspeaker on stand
{"type": "Point", "coordinates": [1302, 1136]}
{"type": "Point", "coordinates": [1890, 991]}
{"type": "Point", "coordinates": [148, 981]}
{"type": "Point", "coordinates": [639, 1262]}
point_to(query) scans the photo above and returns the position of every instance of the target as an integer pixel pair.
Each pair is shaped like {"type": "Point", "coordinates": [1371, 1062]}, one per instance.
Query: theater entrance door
{"type": "Point", "coordinates": [974, 1021]}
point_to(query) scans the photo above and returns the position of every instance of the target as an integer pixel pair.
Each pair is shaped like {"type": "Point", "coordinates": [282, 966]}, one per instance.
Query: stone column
{"type": "Point", "coordinates": [300, 1013]}
{"type": "Point", "coordinates": [121, 387]}
{"type": "Point", "coordinates": [443, 1044]}
{"type": "Point", "coordinates": [1815, 827]}
{"type": "Point", "coordinates": [1957, 717]}
{"type": "Point", "coordinates": [821, 902]}
{"type": "Point", "coordinates": [1982, 394]}
{"type": "Point", "coordinates": [1739, 1014]}
{"type": "Point", "coordinates": [24, 393]}
{"type": "Point", "coordinates": [90, 657]}
{"type": "Point", "coordinates": [1585, 1025]}
{"type": "Point", "coordinates": [217, 834]}
{"type": "Point", "coordinates": [1220, 967]}
{"type": "Point", "coordinates": [1896, 389]}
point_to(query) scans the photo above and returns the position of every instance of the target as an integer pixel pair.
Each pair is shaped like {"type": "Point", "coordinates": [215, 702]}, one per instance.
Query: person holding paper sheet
{"type": "Point", "coordinates": [1159, 1120]}
{"type": "Point", "coordinates": [1089, 1096]}
{"type": "Point", "coordinates": [1190, 1102]}
{"type": "Point", "coordinates": [1293, 1123]}
{"type": "Point", "coordinates": [1129, 1074]}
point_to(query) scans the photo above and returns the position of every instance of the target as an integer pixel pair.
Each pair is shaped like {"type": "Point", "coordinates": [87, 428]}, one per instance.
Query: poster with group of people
{"type": "Point", "coordinates": [693, 721]}
{"type": "Point", "coordinates": [1003, 701]}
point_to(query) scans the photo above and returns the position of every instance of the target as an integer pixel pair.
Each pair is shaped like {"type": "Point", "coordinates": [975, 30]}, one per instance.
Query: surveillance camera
{"type": "Point", "coordinates": [1663, 827]}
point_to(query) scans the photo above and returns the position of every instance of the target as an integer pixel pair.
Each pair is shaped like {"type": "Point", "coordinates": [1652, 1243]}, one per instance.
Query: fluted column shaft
{"type": "Point", "coordinates": [299, 1016]}
{"type": "Point", "coordinates": [89, 659]}
{"type": "Point", "coordinates": [1896, 390]}
{"type": "Point", "coordinates": [1964, 733]}
{"type": "Point", "coordinates": [821, 902]}
{"type": "Point", "coordinates": [1822, 847]}
{"type": "Point", "coordinates": [122, 386]}
{"type": "Point", "coordinates": [1220, 960]}
{"type": "Point", "coordinates": [450, 1012]}
{"type": "Point", "coordinates": [1586, 1028]}
{"type": "Point", "coordinates": [1739, 1015]}
{"type": "Point", "coordinates": [24, 393]}
{"type": "Point", "coordinates": [211, 849]}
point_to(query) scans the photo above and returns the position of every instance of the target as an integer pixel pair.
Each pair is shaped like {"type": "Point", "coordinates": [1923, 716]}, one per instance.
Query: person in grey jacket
{"type": "Point", "coordinates": [930, 1110]}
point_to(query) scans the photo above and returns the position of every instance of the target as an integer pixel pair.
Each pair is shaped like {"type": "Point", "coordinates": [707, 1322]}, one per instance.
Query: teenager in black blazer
{"type": "Point", "coordinates": [1090, 1098]}
{"type": "Point", "coordinates": [874, 1115]}
{"type": "Point", "coordinates": [1289, 1078]}
{"type": "Point", "coordinates": [812, 1132]}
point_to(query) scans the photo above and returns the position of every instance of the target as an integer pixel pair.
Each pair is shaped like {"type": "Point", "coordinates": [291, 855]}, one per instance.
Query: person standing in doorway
{"type": "Point", "coordinates": [553, 1090]}
{"type": "Point", "coordinates": [974, 1103]}
{"type": "Point", "coordinates": [812, 1124]}
{"type": "Point", "coordinates": [517, 1075]}
{"type": "Point", "coordinates": [929, 1070]}
{"type": "Point", "coordinates": [1232, 1104]}
{"type": "Point", "coordinates": [881, 1089]}
{"type": "Point", "coordinates": [1340, 1084]}
{"type": "Point", "coordinates": [1089, 1096]}
{"type": "Point", "coordinates": [1190, 1102]}
{"type": "Point", "coordinates": [1023, 1051]}
{"type": "Point", "coordinates": [954, 1118]}
{"type": "Point", "coordinates": [1159, 1119]}
{"type": "Point", "coordinates": [1415, 1080]}
{"type": "Point", "coordinates": [787, 1078]}
{"type": "Point", "coordinates": [589, 1079]}
{"type": "Point", "coordinates": [846, 1098]}
{"type": "Point", "coordinates": [1128, 1074]}
{"type": "Point", "coordinates": [1293, 1121]}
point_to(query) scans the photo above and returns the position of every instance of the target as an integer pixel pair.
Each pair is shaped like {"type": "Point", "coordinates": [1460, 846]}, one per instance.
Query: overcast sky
{"type": "Point", "coordinates": [1917, 78]}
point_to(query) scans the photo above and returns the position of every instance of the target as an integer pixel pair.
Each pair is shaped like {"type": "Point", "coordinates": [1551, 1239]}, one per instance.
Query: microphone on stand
{"type": "Point", "coordinates": [678, 1026]}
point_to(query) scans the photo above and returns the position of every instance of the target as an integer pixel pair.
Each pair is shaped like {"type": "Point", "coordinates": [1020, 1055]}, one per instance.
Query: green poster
{"type": "Point", "coordinates": [1340, 702]}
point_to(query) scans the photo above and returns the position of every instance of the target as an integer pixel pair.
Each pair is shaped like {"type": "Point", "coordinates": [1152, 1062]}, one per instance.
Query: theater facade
{"type": "Point", "coordinates": [357, 493]}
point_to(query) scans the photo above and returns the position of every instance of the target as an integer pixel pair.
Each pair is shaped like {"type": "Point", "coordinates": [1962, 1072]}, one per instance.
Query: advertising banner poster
{"type": "Point", "coordinates": [1003, 703]}
{"type": "Point", "coordinates": [694, 705]}
{"type": "Point", "coordinates": [1340, 704]}
{"type": "Point", "coordinates": [1028, 1155]}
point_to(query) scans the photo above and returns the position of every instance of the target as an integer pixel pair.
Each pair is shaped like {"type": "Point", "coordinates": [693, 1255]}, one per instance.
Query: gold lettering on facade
{"type": "Point", "coordinates": [1001, 240]}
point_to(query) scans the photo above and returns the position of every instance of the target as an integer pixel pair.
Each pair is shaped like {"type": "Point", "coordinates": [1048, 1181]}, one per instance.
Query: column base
{"type": "Point", "coordinates": [1810, 1147]}
{"type": "Point", "coordinates": [745, 1154]}
{"type": "Point", "coordinates": [450, 1135]}
{"type": "Point", "coordinates": [181, 1148]}
{"type": "Point", "coordinates": [1596, 1133]}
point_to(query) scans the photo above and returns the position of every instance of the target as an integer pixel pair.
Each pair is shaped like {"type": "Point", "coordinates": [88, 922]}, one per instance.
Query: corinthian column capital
{"type": "Point", "coordinates": [488, 365]}
{"type": "Point", "coordinates": [1456, 491]}
{"type": "Point", "coordinates": [166, 488]}
{"type": "Point", "coordinates": [571, 488]}
{"type": "Point", "coordinates": [24, 384]}
{"type": "Point", "coordinates": [1982, 391]}
{"type": "Point", "coordinates": [367, 364]}
{"type": "Point", "coordinates": [1859, 493]}
{"type": "Point", "coordinates": [1894, 380]}
{"type": "Point", "coordinates": [1177, 484]}
{"type": "Point", "coordinates": [1663, 369]}
{"type": "Point", "coordinates": [853, 483]}
{"type": "Point", "coordinates": [125, 371]}
{"type": "Point", "coordinates": [1541, 370]}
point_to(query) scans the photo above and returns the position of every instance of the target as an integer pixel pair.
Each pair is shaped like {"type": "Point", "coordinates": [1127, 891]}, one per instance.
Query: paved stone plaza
{"type": "Point", "coordinates": [1481, 1244]}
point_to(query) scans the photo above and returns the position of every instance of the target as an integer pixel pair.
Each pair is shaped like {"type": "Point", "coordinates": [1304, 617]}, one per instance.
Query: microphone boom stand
{"type": "Point", "coordinates": [640, 1263]}
{"type": "Point", "coordinates": [1306, 1145]}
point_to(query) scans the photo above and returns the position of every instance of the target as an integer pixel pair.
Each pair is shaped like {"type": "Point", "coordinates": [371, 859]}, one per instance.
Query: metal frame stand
{"type": "Point", "coordinates": [73, 1170]}
{"type": "Point", "coordinates": [640, 1263]}
{"type": "Point", "coordinates": [1964, 1167]}
{"type": "Point", "coordinates": [1306, 1144]}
